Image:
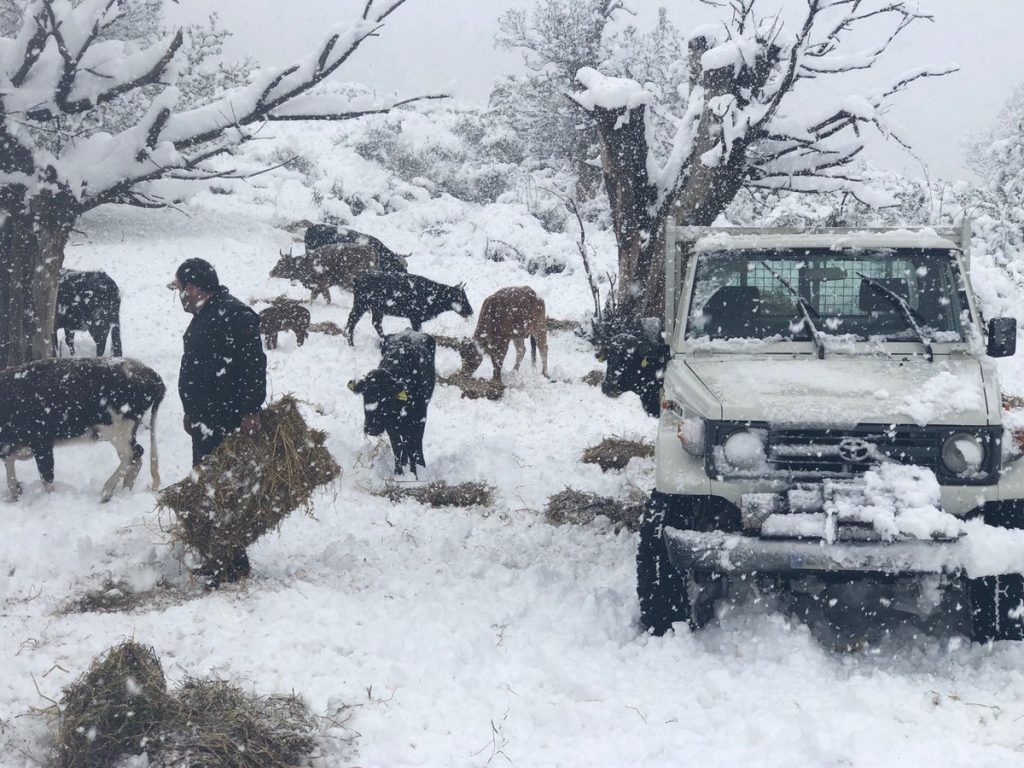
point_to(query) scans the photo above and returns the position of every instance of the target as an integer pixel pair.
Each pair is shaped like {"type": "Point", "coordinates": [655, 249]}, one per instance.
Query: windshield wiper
{"type": "Point", "coordinates": [816, 336]}
{"type": "Point", "coordinates": [905, 312]}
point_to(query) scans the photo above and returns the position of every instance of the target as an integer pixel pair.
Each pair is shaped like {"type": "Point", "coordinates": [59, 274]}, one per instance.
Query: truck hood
{"type": "Point", "coordinates": [844, 390]}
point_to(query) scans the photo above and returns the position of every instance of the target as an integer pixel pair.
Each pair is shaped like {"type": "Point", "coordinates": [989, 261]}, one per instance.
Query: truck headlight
{"type": "Point", "coordinates": [689, 427]}
{"type": "Point", "coordinates": [745, 449]}
{"type": "Point", "coordinates": [963, 454]}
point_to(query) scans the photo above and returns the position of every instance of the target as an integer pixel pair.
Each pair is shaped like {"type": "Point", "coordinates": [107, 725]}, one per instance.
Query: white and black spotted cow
{"type": "Point", "coordinates": [396, 395]}
{"type": "Point", "coordinates": [48, 402]}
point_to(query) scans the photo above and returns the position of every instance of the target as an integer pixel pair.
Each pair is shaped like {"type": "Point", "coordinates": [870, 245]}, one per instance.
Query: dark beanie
{"type": "Point", "coordinates": [200, 273]}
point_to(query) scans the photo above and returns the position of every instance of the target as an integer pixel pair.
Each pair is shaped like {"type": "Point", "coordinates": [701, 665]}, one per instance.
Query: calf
{"type": "Point", "coordinates": [396, 395]}
{"type": "Point", "coordinates": [88, 301]}
{"type": "Point", "coordinates": [409, 296]}
{"type": "Point", "coordinates": [636, 365]}
{"type": "Point", "coordinates": [336, 264]}
{"type": "Point", "coordinates": [284, 316]}
{"type": "Point", "coordinates": [53, 401]}
{"type": "Point", "coordinates": [508, 315]}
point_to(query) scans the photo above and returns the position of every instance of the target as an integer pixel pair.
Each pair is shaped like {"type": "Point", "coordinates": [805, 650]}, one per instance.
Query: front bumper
{"type": "Point", "coordinates": [726, 553]}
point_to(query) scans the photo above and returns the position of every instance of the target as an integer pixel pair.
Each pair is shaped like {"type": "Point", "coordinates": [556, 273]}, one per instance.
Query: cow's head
{"type": "Point", "coordinates": [634, 365]}
{"type": "Point", "coordinates": [383, 399]}
{"type": "Point", "coordinates": [459, 300]}
{"type": "Point", "coordinates": [393, 262]}
{"type": "Point", "coordinates": [286, 266]}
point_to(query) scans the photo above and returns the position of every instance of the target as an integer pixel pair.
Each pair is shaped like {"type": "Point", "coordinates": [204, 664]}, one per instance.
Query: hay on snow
{"type": "Point", "coordinates": [121, 707]}
{"type": "Point", "coordinates": [615, 452]}
{"type": "Point", "coordinates": [441, 494]}
{"type": "Point", "coordinates": [573, 507]}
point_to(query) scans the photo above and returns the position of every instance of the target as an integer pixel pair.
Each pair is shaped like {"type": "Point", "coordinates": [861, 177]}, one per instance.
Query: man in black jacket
{"type": "Point", "coordinates": [223, 378]}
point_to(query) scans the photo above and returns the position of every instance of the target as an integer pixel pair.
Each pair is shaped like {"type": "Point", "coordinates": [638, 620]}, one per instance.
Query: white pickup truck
{"type": "Point", "coordinates": [831, 430]}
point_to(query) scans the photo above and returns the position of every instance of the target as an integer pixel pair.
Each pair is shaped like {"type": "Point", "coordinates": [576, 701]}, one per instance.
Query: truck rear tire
{"type": "Point", "coordinates": [997, 602]}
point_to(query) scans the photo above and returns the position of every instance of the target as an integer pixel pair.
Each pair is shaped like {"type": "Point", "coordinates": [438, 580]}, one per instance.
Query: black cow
{"type": "Point", "coordinates": [47, 402]}
{"type": "Point", "coordinates": [88, 301]}
{"type": "Point", "coordinates": [410, 296]}
{"type": "Point", "coordinates": [396, 395]}
{"type": "Point", "coordinates": [319, 235]}
{"type": "Point", "coordinates": [636, 364]}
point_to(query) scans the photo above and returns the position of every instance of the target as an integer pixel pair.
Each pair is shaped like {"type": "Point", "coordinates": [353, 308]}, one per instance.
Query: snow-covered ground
{"type": "Point", "coordinates": [461, 637]}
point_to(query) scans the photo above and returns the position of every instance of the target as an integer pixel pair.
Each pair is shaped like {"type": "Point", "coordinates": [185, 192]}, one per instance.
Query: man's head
{"type": "Point", "coordinates": [195, 280]}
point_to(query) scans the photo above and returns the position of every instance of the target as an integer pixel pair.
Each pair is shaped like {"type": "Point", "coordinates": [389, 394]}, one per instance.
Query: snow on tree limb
{"type": "Point", "coordinates": [63, 62]}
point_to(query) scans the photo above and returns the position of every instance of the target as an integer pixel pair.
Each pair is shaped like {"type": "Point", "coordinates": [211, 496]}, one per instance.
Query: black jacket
{"type": "Point", "coordinates": [223, 368]}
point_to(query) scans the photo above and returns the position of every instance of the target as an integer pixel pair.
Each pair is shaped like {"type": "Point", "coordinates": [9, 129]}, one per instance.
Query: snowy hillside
{"type": "Point", "coordinates": [445, 637]}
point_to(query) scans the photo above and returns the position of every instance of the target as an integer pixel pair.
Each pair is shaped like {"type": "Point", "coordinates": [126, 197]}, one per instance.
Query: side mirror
{"type": "Point", "coordinates": [1002, 337]}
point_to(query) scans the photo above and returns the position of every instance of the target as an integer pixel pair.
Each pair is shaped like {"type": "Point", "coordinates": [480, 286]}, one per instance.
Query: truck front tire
{"type": "Point", "coordinates": [997, 602]}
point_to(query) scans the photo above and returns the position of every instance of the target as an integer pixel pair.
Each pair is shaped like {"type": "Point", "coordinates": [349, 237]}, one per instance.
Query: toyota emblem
{"type": "Point", "coordinates": [854, 450]}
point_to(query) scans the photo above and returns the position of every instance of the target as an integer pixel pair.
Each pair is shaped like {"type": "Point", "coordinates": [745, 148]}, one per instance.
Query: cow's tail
{"type": "Point", "coordinates": [533, 349]}
{"type": "Point", "coordinates": [154, 459]}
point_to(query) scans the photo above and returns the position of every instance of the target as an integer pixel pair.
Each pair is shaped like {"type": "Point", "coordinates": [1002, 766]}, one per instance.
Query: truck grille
{"type": "Point", "coordinates": [817, 452]}
{"type": "Point", "coordinates": [798, 454]}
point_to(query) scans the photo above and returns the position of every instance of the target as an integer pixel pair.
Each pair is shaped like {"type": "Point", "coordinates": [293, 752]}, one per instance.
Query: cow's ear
{"type": "Point", "coordinates": [355, 386]}
{"type": "Point", "coordinates": [403, 396]}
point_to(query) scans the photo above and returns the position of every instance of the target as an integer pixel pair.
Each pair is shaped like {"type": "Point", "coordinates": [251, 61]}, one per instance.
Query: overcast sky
{"type": "Point", "coordinates": [428, 45]}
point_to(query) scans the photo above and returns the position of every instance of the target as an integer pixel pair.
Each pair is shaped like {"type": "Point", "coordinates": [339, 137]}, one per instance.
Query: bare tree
{"type": "Point", "coordinates": [62, 64]}
{"type": "Point", "coordinates": [738, 128]}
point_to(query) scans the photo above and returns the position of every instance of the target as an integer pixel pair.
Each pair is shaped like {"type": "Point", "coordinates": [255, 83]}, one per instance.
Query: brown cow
{"type": "Point", "coordinates": [284, 316]}
{"type": "Point", "coordinates": [508, 314]}
{"type": "Point", "coordinates": [336, 264]}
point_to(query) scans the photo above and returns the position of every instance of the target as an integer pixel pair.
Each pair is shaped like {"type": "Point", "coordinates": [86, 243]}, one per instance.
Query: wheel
{"type": "Point", "coordinates": [665, 594]}
{"type": "Point", "coordinates": [997, 602]}
{"type": "Point", "coordinates": [660, 587]}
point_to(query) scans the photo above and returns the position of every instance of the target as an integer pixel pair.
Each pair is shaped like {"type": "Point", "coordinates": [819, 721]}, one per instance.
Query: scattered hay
{"type": "Point", "coordinates": [561, 326]}
{"type": "Point", "coordinates": [441, 494]}
{"type": "Point", "coordinates": [121, 707]}
{"type": "Point", "coordinates": [474, 388]}
{"type": "Point", "coordinates": [595, 378]}
{"type": "Point", "coordinates": [572, 507]}
{"type": "Point", "coordinates": [615, 452]}
{"type": "Point", "coordinates": [277, 301]}
{"type": "Point", "coordinates": [114, 708]}
{"type": "Point", "coordinates": [215, 724]}
{"type": "Point", "coordinates": [250, 484]}
{"type": "Point", "coordinates": [298, 227]}
{"type": "Point", "coordinates": [331, 329]}
{"type": "Point", "coordinates": [120, 597]}
{"type": "Point", "coordinates": [1012, 402]}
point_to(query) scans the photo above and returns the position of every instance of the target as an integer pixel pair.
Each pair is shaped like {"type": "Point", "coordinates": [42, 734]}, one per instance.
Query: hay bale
{"type": "Point", "coordinates": [595, 378]}
{"type": "Point", "coordinates": [561, 326]}
{"type": "Point", "coordinates": [441, 494]}
{"type": "Point", "coordinates": [615, 452]}
{"type": "Point", "coordinates": [572, 507]}
{"type": "Point", "coordinates": [215, 724]}
{"type": "Point", "coordinates": [114, 708]}
{"type": "Point", "coordinates": [473, 388]}
{"type": "Point", "coordinates": [249, 484]}
{"type": "Point", "coordinates": [331, 329]}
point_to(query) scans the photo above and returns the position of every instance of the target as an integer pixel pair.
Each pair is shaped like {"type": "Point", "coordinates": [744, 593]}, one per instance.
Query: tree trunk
{"type": "Point", "coordinates": [32, 240]}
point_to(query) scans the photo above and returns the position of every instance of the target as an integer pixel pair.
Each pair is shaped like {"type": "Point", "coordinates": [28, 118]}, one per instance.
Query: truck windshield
{"type": "Point", "coordinates": [739, 294]}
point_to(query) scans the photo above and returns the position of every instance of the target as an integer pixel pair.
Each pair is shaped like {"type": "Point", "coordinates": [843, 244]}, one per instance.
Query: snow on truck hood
{"type": "Point", "coordinates": [842, 390]}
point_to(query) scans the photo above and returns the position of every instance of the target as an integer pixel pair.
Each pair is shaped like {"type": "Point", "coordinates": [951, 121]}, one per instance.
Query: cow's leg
{"type": "Point", "coordinates": [121, 433]}
{"type": "Point", "coordinates": [300, 338]}
{"type": "Point", "coordinates": [541, 340]}
{"type": "Point", "coordinates": [12, 477]}
{"type": "Point", "coordinates": [69, 339]}
{"type": "Point", "coordinates": [377, 316]}
{"type": "Point", "coordinates": [520, 352]}
{"type": "Point", "coordinates": [99, 335]}
{"type": "Point", "coordinates": [417, 323]}
{"type": "Point", "coordinates": [43, 453]}
{"type": "Point", "coordinates": [136, 465]}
